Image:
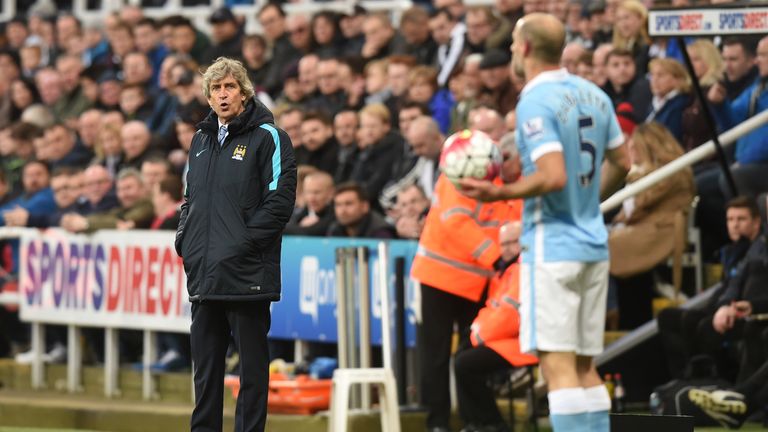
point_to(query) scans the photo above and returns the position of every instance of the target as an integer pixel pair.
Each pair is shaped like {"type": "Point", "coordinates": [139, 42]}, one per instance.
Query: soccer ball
{"type": "Point", "coordinates": [470, 153]}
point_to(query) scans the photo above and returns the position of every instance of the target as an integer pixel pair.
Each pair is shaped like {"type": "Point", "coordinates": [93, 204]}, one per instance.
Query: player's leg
{"type": "Point", "coordinates": [594, 282]}
{"type": "Point", "coordinates": [548, 324]}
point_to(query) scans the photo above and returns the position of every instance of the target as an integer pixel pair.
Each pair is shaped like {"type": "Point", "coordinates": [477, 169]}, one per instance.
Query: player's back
{"type": "Point", "coordinates": [561, 110]}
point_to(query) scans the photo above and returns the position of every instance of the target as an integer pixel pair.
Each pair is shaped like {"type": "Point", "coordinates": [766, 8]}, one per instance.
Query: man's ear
{"type": "Point", "coordinates": [526, 48]}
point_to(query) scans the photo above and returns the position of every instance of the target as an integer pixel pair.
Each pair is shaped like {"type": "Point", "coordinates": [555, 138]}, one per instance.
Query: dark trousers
{"type": "Point", "coordinates": [439, 311]}
{"type": "Point", "coordinates": [754, 349]}
{"type": "Point", "coordinates": [635, 299]}
{"type": "Point", "coordinates": [755, 388]}
{"type": "Point", "coordinates": [477, 402]}
{"type": "Point", "coordinates": [212, 324]}
{"type": "Point", "coordinates": [677, 329]}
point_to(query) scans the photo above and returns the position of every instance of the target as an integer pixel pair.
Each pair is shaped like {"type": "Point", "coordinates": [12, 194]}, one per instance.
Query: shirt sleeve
{"type": "Point", "coordinates": [538, 130]}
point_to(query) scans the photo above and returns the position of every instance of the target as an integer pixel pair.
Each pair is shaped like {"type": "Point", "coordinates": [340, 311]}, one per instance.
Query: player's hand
{"type": "Point", "coordinates": [481, 190]}
{"type": "Point", "coordinates": [723, 320]}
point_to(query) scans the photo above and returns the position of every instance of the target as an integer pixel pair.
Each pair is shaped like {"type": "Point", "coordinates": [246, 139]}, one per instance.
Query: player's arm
{"type": "Point", "coordinates": [550, 176]}
{"type": "Point", "coordinates": [614, 170]}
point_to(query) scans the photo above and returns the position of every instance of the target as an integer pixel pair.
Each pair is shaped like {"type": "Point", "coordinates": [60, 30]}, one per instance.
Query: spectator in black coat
{"type": "Point", "coordinates": [321, 147]}
{"type": "Point", "coordinates": [227, 35]}
{"type": "Point", "coordinates": [317, 215]}
{"type": "Point", "coordinates": [272, 19]}
{"type": "Point", "coordinates": [354, 217]}
{"type": "Point", "coordinates": [625, 85]}
{"type": "Point", "coordinates": [380, 150]}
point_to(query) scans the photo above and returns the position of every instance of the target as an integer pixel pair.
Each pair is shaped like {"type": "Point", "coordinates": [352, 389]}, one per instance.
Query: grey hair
{"type": "Point", "coordinates": [130, 172]}
{"type": "Point", "coordinates": [224, 67]}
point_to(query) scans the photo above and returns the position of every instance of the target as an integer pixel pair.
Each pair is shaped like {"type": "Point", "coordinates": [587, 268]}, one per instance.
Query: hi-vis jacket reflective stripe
{"type": "Point", "coordinates": [497, 325]}
{"type": "Point", "coordinates": [459, 243]}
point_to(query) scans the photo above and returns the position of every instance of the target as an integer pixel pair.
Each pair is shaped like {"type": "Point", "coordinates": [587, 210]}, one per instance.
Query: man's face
{"type": "Point", "coordinates": [415, 32]}
{"type": "Point", "coordinates": [397, 77]}
{"type": "Point", "coordinates": [223, 31]}
{"type": "Point", "coordinates": [411, 202]}
{"type": "Point", "coordinates": [131, 99]}
{"type": "Point", "coordinates": [349, 208]}
{"type": "Point", "coordinates": [272, 23]}
{"type": "Point", "coordinates": [318, 192]}
{"type": "Point", "coordinates": [97, 183]}
{"type": "Point", "coordinates": [135, 140]}
{"type": "Point", "coordinates": [183, 39]}
{"type": "Point", "coordinates": [509, 240]}
{"type": "Point", "coordinates": [34, 178]}
{"type": "Point", "coordinates": [494, 78]}
{"type": "Point", "coordinates": [441, 27]}
{"type": "Point", "coordinates": [406, 116]}
{"type": "Point", "coordinates": [16, 33]}
{"type": "Point", "coordinates": [737, 62]}
{"type": "Point", "coordinates": [741, 223]}
{"type": "Point", "coordinates": [88, 127]}
{"type": "Point", "coordinates": [345, 128]}
{"type": "Point", "coordinates": [298, 30]}
{"type": "Point", "coordinates": [136, 69]}
{"type": "Point", "coordinates": [372, 129]}
{"type": "Point", "coordinates": [327, 77]}
{"type": "Point", "coordinates": [66, 29]}
{"type": "Point", "coordinates": [226, 98]}
{"type": "Point", "coordinates": [60, 142]}
{"type": "Point", "coordinates": [570, 57]}
{"type": "Point", "coordinates": [478, 27]}
{"type": "Point", "coordinates": [291, 124]}
{"type": "Point", "coordinates": [50, 87]}
{"type": "Point", "coordinates": [423, 142]}
{"type": "Point", "coordinates": [129, 191]}
{"type": "Point", "coordinates": [153, 173]}
{"type": "Point", "coordinates": [620, 70]}
{"type": "Point", "coordinates": [184, 133]}
{"type": "Point", "coordinates": [109, 93]}
{"type": "Point", "coordinates": [61, 191]}
{"type": "Point", "coordinates": [145, 37]}
{"type": "Point", "coordinates": [314, 134]}
{"type": "Point", "coordinates": [762, 57]}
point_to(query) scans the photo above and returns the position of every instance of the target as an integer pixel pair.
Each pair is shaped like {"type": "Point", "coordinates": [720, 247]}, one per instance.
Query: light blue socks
{"type": "Point", "coordinates": [598, 408]}
{"type": "Point", "coordinates": [568, 410]}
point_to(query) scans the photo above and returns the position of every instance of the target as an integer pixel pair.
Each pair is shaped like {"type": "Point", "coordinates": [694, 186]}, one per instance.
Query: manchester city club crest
{"type": "Point", "coordinates": [239, 153]}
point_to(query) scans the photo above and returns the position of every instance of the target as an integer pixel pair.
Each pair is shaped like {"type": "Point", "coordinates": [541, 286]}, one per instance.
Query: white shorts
{"type": "Point", "coordinates": [562, 307]}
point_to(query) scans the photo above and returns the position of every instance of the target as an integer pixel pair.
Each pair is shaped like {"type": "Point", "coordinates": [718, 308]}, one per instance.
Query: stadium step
{"type": "Point", "coordinates": [52, 407]}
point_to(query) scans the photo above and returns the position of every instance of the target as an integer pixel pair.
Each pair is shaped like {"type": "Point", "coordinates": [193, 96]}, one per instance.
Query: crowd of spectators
{"type": "Point", "coordinates": [96, 120]}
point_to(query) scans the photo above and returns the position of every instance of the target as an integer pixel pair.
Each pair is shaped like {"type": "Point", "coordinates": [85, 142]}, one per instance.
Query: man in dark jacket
{"type": "Point", "coordinates": [241, 189]}
{"type": "Point", "coordinates": [354, 217]}
{"type": "Point", "coordinates": [318, 215]}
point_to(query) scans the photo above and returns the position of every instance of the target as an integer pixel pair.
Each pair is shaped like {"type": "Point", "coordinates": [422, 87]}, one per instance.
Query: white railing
{"type": "Point", "coordinates": [700, 153]}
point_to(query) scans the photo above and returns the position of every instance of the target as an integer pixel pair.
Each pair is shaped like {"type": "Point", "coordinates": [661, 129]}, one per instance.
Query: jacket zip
{"type": "Point", "coordinates": [212, 178]}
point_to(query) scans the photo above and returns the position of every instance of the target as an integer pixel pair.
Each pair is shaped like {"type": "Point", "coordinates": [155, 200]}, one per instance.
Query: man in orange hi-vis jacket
{"type": "Point", "coordinates": [495, 345]}
{"type": "Point", "coordinates": [458, 254]}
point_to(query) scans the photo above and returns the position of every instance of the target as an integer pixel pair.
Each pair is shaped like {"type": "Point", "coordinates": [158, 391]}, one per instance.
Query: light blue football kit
{"type": "Point", "coordinates": [564, 271]}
